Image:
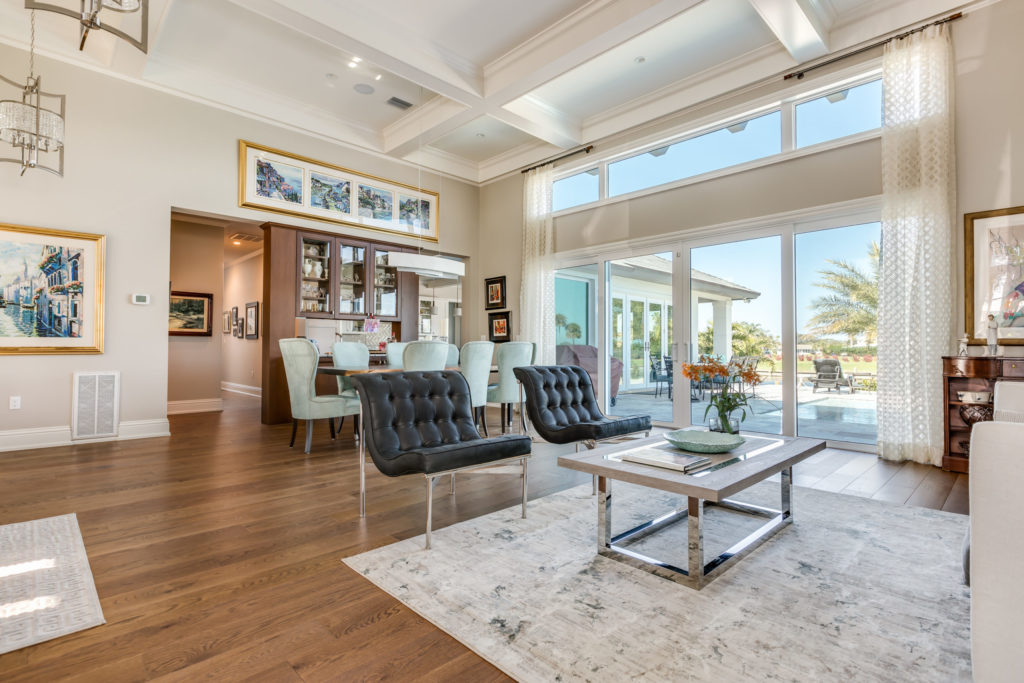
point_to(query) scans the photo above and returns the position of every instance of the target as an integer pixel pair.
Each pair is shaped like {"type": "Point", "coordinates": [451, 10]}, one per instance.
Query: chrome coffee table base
{"type": "Point", "coordinates": [698, 572]}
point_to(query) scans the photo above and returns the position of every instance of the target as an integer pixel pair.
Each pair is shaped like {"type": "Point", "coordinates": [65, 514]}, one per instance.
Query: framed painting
{"type": "Point", "coordinates": [226, 323]}
{"type": "Point", "coordinates": [494, 293]}
{"type": "Point", "coordinates": [51, 291]}
{"type": "Point", "coordinates": [191, 315]}
{"type": "Point", "coordinates": [272, 180]}
{"type": "Point", "coordinates": [252, 320]}
{"type": "Point", "coordinates": [994, 275]}
{"type": "Point", "coordinates": [234, 318]}
{"type": "Point", "coordinates": [499, 326]}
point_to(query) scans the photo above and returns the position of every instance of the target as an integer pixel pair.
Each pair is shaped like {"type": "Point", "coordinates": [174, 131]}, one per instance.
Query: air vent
{"type": "Point", "coordinates": [246, 237]}
{"type": "Point", "coordinates": [401, 104]}
{"type": "Point", "coordinates": [97, 398]}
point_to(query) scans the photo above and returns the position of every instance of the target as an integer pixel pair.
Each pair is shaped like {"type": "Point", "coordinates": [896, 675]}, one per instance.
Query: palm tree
{"type": "Point", "coordinates": [851, 307]}
{"type": "Point", "coordinates": [573, 331]}
{"type": "Point", "coordinates": [560, 321]}
{"type": "Point", "coordinates": [748, 339]}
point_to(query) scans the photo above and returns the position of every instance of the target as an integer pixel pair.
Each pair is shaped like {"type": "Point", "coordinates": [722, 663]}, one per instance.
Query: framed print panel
{"type": "Point", "coordinates": [494, 293]}
{"type": "Point", "coordinates": [252, 320]}
{"type": "Point", "coordinates": [273, 180]}
{"type": "Point", "coordinates": [499, 328]}
{"type": "Point", "coordinates": [994, 274]}
{"type": "Point", "coordinates": [191, 315]}
{"type": "Point", "coordinates": [225, 326]}
{"type": "Point", "coordinates": [51, 291]}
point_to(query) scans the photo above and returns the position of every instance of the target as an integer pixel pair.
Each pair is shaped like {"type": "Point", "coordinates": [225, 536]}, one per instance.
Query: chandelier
{"type": "Point", "coordinates": [27, 126]}
{"type": "Point", "coordinates": [88, 16]}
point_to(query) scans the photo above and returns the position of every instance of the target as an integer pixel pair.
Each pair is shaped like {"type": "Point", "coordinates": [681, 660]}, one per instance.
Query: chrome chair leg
{"type": "Point", "coordinates": [362, 477]}
{"type": "Point", "coordinates": [453, 484]}
{"type": "Point", "coordinates": [594, 485]}
{"type": "Point", "coordinates": [430, 506]}
{"type": "Point", "coordinates": [524, 463]}
{"type": "Point", "coordinates": [309, 435]}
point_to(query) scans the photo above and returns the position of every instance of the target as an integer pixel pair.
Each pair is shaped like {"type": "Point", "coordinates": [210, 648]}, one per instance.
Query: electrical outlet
{"type": "Point", "coordinates": [15, 403]}
{"type": "Point", "coordinates": [252, 372]}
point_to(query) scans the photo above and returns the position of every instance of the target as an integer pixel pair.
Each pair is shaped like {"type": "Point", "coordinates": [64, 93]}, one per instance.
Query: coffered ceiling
{"type": "Point", "coordinates": [484, 87]}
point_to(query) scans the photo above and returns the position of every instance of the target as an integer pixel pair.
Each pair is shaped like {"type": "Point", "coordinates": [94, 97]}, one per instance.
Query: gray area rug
{"type": "Point", "coordinates": [46, 587]}
{"type": "Point", "coordinates": [855, 589]}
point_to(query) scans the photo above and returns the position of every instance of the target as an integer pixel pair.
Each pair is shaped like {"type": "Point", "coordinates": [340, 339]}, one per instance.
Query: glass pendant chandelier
{"type": "Point", "coordinates": [88, 15]}
{"type": "Point", "coordinates": [27, 126]}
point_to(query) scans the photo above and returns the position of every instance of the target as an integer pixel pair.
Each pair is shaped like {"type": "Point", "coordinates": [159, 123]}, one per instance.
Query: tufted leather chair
{"type": "Point", "coordinates": [421, 422]}
{"type": "Point", "coordinates": [563, 408]}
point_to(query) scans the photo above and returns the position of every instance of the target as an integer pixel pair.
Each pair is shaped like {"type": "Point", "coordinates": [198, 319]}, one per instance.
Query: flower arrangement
{"type": "Point", "coordinates": [58, 289]}
{"type": "Point", "coordinates": [75, 287]}
{"type": "Point", "coordinates": [732, 397]}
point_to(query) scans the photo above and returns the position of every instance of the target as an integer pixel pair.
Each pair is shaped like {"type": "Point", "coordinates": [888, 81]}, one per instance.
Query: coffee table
{"type": "Point", "coordinates": [756, 460]}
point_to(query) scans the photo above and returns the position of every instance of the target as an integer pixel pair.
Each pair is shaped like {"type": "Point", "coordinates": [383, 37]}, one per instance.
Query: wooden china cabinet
{"type": "Point", "coordinates": [970, 373]}
{"type": "Point", "coordinates": [311, 274]}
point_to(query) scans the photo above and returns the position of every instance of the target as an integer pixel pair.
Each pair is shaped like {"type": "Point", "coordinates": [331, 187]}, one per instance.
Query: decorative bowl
{"type": "Point", "coordinates": [974, 412]}
{"type": "Point", "coordinates": [704, 442]}
{"type": "Point", "coordinates": [974, 396]}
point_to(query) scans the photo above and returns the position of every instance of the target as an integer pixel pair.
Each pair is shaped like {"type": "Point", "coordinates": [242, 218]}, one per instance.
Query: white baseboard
{"type": "Point", "coordinates": [48, 437]}
{"type": "Point", "coordinates": [242, 389]}
{"type": "Point", "coordinates": [199, 405]}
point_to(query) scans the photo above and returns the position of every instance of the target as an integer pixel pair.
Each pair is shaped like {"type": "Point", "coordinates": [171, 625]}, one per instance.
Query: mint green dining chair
{"type": "Point", "coordinates": [453, 356]}
{"type": "Point", "coordinates": [475, 366]}
{"type": "Point", "coordinates": [349, 355]}
{"type": "Point", "coordinates": [506, 392]}
{"type": "Point", "coordinates": [301, 358]}
{"type": "Point", "coordinates": [424, 355]}
{"type": "Point", "coordinates": [393, 353]}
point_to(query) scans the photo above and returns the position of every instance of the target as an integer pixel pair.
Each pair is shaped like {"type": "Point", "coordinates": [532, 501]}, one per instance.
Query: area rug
{"type": "Point", "coordinates": [855, 589]}
{"type": "Point", "coordinates": [46, 587]}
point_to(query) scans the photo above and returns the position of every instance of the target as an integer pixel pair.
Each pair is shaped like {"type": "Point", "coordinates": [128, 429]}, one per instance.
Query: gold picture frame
{"type": "Point", "coordinates": [991, 240]}
{"type": "Point", "coordinates": [273, 180]}
{"type": "Point", "coordinates": [51, 291]}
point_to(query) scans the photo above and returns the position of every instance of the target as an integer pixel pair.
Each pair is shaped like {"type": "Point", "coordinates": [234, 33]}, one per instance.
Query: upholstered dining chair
{"type": "Point", "coordinates": [475, 366]}
{"type": "Point", "coordinates": [506, 392]}
{"type": "Point", "coordinates": [424, 355]}
{"type": "Point", "coordinates": [301, 358]}
{"type": "Point", "coordinates": [453, 356]}
{"type": "Point", "coordinates": [349, 355]}
{"type": "Point", "coordinates": [422, 423]}
{"type": "Point", "coordinates": [393, 353]}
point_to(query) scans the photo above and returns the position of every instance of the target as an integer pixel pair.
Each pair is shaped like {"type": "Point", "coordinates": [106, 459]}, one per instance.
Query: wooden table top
{"type": "Point", "coordinates": [756, 460]}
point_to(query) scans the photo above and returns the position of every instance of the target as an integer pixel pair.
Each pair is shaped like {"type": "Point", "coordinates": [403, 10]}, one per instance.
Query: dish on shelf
{"type": "Point", "coordinates": [974, 396]}
{"type": "Point", "coordinates": [704, 442]}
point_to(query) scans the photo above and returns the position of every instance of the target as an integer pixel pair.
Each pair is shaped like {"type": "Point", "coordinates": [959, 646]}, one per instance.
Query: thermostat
{"type": "Point", "coordinates": [140, 299]}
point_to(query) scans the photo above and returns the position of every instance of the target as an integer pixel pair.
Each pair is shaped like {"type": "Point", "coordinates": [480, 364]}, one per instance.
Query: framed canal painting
{"type": "Point", "coordinates": [994, 275]}
{"type": "Point", "coordinates": [190, 315]}
{"type": "Point", "coordinates": [51, 291]}
{"type": "Point", "coordinates": [273, 180]}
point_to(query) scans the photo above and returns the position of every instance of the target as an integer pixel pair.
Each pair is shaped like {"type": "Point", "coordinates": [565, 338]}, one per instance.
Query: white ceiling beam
{"type": "Point", "coordinates": [540, 120]}
{"type": "Point", "coordinates": [573, 41]}
{"type": "Point", "coordinates": [424, 124]}
{"type": "Point", "coordinates": [797, 26]}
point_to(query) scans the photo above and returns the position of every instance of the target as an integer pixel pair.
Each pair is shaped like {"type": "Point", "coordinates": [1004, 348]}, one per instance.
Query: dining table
{"type": "Point", "coordinates": [364, 370]}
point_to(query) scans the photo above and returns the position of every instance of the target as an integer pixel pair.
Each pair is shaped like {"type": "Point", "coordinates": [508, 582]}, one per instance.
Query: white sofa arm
{"type": "Point", "coordinates": [997, 551]}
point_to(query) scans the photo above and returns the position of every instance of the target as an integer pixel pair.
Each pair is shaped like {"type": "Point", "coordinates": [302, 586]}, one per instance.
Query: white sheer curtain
{"type": "Point", "coordinates": [915, 311]}
{"type": "Point", "coordinates": [537, 291]}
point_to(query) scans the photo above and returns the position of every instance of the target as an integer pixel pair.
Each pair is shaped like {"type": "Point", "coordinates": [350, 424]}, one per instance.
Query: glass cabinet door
{"type": "Point", "coordinates": [351, 279]}
{"type": "Point", "coordinates": [385, 286]}
{"type": "Point", "coordinates": [314, 266]}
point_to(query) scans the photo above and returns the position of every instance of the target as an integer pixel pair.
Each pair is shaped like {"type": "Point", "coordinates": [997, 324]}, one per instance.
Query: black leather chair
{"type": "Point", "coordinates": [563, 408]}
{"type": "Point", "coordinates": [421, 422]}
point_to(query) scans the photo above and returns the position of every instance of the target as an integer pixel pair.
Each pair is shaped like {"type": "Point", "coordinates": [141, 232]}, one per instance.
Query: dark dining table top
{"type": "Point", "coordinates": [343, 371]}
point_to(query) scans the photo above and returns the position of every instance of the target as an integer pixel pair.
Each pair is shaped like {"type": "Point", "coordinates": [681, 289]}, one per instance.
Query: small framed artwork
{"type": "Point", "coordinates": [240, 329]}
{"type": "Point", "coordinates": [500, 326]}
{"type": "Point", "coordinates": [994, 275]}
{"type": "Point", "coordinates": [51, 291]}
{"type": "Point", "coordinates": [226, 323]}
{"type": "Point", "coordinates": [234, 318]}
{"type": "Point", "coordinates": [191, 314]}
{"type": "Point", "coordinates": [252, 320]}
{"type": "Point", "coordinates": [494, 293]}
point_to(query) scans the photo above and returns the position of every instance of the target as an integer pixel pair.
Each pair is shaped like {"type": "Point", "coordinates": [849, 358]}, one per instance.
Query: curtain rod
{"type": "Point", "coordinates": [800, 74]}
{"type": "Point", "coordinates": [582, 150]}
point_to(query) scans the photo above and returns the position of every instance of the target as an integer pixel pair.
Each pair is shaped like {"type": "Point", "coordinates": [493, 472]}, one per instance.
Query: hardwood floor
{"type": "Point", "coordinates": [217, 552]}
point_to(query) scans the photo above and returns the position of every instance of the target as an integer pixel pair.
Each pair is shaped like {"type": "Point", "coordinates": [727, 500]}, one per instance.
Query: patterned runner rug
{"type": "Point", "coordinates": [855, 589]}
{"type": "Point", "coordinates": [46, 587]}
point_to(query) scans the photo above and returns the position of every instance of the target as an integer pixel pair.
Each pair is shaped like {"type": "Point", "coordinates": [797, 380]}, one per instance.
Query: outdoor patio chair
{"type": "Point", "coordinates": [829, 375]}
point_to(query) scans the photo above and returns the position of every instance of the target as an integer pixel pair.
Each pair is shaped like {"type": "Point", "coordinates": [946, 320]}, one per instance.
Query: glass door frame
{"type": "Point", "coordinates": [680, 244]}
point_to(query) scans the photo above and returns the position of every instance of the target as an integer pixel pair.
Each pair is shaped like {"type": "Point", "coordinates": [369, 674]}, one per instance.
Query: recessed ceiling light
{"type": "Point", "coordinates": [363, 88]}
{"type": "Point", "coordinates": [480, 135]}
{"type": "Point", "coordinates": [236, 243]}
{"type": "Point", "coordinates": [640, 60]}
{"type": "Point", "coordinates": [351, 65]}
{"type": "Point", "coordinates": [377, 77]}
{"type": "Point", "coordinates": [357, 59]}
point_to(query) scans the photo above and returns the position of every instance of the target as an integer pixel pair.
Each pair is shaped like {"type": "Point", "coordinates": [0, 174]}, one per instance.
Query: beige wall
{"type": "Point", "coordinates": [197, 265]}
{"type": "Point", "coordinates": [241, 360]}
{"type": "Point", "coordinates": [133, 154]}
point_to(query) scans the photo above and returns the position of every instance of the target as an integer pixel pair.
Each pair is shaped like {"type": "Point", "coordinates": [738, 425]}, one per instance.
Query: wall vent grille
{"type": "Point", "coordinates": [401, 104]}
{"type": "Point", "coordinates": [246, 237]}
{"type": "Point", "coordinates": [96, 408]}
